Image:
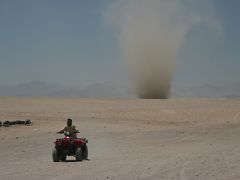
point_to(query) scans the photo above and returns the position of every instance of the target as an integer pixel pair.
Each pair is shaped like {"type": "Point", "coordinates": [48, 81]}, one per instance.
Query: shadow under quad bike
{"type": "Point", "coordinates": [70, 146]}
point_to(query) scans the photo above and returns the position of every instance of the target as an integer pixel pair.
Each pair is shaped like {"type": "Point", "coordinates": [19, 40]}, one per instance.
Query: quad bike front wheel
{"type": "Point", "coordinates": [85, 152]}
{"type": "Point", "coordinates": [79, 154]}
{"type": "Point", "coordinates": [63, 157]}
{"type": "Point", "coordinates": [55, 156]}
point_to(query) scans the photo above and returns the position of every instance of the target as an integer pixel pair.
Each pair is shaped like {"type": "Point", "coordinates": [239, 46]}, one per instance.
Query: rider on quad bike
{"type": "Point", "coordinates": [70, 145]}
{"type": "Point", "coordinates": [70, 128]}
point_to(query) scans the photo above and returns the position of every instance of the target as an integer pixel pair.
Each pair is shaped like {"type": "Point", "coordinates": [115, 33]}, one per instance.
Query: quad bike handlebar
{"type": "Point", "coordinates": [66, 132]}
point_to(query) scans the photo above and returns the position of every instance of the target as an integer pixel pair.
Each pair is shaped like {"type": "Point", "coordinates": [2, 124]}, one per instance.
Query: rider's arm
{"type": "Point", "coordinates": [62, 131]}
{"type": "Point", "coordinates": [76, 131]}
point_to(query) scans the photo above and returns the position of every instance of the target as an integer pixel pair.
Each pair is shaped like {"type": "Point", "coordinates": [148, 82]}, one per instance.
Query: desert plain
{"type": "Point", "coordinates": [179, 139]}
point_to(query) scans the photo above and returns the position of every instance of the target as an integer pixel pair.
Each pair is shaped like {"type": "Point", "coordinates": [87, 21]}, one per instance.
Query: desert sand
{"type": "Point", "coordinates": [182, 139]}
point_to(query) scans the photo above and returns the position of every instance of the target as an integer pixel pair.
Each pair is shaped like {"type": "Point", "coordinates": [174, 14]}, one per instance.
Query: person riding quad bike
{"type": "Point", "coordinates": [70, 145]}
{"type": "Point", "coordinates": [70, 129]}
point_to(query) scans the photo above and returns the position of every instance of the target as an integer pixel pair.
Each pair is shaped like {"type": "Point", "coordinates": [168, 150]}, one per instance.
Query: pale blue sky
{"type": "Point", "coordinates": [69, 42]}
{"type": "Point", "coordinates": [208, 58]}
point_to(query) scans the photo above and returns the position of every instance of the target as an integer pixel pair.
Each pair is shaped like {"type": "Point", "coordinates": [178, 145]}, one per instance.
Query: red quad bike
{"type": "Point", "coordinates": [70, 146]}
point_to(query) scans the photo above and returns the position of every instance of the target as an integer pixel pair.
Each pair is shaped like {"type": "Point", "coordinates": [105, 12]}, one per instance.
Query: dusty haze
{"type": "Point", "coordinates": [150, 35]}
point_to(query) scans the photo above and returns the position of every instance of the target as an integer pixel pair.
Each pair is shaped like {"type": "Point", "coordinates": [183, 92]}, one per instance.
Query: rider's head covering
{"type": "Point", "coordinates": [69, 122]}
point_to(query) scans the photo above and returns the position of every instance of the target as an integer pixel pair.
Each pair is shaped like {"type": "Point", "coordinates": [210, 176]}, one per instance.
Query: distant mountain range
{"type": "Point", "coordinates": [113, 90]}
{"type": "Point", "coordinates": [40, 88]}
{"type": "Point", "coordinates": [208, 91]}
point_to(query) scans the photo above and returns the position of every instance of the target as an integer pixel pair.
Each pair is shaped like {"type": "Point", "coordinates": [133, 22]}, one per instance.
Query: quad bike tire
{"type": "Point", "coordinates": [63, 157]}
{"type": "Point", "coordinates": [55, 156]}
{"type": "Point", "coordinates": [85, 152]}
{"type": "Point", "coordinates": [79, 154]}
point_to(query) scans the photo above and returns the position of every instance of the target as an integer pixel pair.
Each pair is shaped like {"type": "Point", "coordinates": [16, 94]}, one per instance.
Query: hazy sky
{"type": "Point", "coordinates": [70, 42]}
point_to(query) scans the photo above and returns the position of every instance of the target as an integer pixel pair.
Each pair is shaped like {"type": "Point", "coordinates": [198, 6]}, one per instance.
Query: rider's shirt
{"type": "Point", "coordinates": [71, 129]}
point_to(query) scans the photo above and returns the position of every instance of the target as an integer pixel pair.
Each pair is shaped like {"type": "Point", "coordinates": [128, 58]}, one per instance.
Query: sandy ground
{"type": "Point", "coordinates": [182, 139]}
